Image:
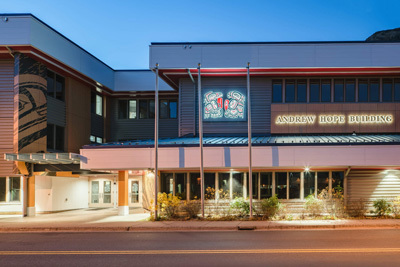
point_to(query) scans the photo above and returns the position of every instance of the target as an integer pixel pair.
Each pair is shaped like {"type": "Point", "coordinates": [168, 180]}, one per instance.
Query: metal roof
{"type": "Point", "coordinates": [44, 158]}
{"type": "Point", "coordinates": [271, 140]}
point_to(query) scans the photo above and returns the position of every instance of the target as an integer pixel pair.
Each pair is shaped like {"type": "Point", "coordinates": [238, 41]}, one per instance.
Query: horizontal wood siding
{"type": "Point", "coordinates": [129, 129]}
{"type": "Point", "coordinates": [6, 115]}
{"type": "Point", "coordinates": [56, 111]}
{"type": "Point", "coordinates": [260, 90]}
{"type": "Point", "coordinates": [370, 185]}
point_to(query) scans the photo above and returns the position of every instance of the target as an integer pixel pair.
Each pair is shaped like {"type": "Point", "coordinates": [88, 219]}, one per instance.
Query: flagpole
{"type": "Point", "coordinates": [201, 140]}
{"type": "Point", "coordinates": [249, 140]}
{"type": "Point", "coordinates": [156, 146]}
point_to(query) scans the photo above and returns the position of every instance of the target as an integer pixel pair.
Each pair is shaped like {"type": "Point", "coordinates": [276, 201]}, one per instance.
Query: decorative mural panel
{"type": "Point", "coordinates": [31, 86]}
{"type": "Point", "coordinates": [224, 105]}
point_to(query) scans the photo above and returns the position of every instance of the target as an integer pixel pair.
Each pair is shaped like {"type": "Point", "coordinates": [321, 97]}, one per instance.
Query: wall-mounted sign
{"type": "Point", "coordinates": [325, 119]}
{"type": "Point", "coordinates": [224, 105]}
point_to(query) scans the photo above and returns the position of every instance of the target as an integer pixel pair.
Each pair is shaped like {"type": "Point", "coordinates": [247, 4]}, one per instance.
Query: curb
{"type": "Point", "coordinates": [201, 228]}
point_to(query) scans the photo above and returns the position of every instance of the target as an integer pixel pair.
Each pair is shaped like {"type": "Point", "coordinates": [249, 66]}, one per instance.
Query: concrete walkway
{"type": "Point", "coordinates": [92, 220]}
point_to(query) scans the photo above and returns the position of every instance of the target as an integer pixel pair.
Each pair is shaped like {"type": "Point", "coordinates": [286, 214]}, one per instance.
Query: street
{"type": "Point", "coordinates": [253, 248]}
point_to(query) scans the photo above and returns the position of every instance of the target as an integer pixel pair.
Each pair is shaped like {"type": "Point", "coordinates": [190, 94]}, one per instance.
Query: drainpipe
{"type": "Point", "coordinates": [345, 185]}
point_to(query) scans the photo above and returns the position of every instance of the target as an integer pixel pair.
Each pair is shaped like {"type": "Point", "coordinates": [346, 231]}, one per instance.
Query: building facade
{"type": "Point", "coordinates": [79, 134]}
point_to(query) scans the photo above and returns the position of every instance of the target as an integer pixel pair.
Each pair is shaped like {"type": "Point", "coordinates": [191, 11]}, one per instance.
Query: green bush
{"type": "Point", "coordinates": [168, 205]}
{"type": "Point", "coordinates": [270, 207]}
{"type": "Point", "coordinates": [192, 208]}
{"type": "Point", "coordinates": [240, 206]}
{"type": "Point", "coordinates": [382, 207]}
{"type": "Point", "coordinates": [396, 207]}
{"type": "Point", "coordinates": [357, 208]}
{"type": "Point", "coordinates": [314, 206]}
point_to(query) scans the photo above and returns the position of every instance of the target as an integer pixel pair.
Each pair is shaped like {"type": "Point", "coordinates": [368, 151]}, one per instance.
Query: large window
{"type": "Point", "coordinates": [97, 104]}
{"type": "Point", "coordinates": [314, 91]}
{"type": "Point", "coordinates": [336, 90]}
{"type": "Point", "coordinates": [167, 183]}
{"type": "Point", "coordinates": [55, 85]}
{"type": "Point", "coordinates": [10, 189]}
{"type": "Point", "coordinates": [326, 91]}
{"type": "Point", "coordinates": [277, 91]}
{"type": "Point", "coordinates": [350, 90]}
{"type": "Point", "coordinates": [294, 185]}
{"type": "Point", "coordinates": [168, 109]}
{"type": "Point", "coordinates": [3, 189]}
{"type": "Point", "coordinates": [296, 91]}
{"type": "Point", "coordinates": [233, 184]}
{"type": "Point", "coordinates": [127, 109]}
{"type": "Point", "coordinates": [368, 90]}
{"type": "Point", "coordinates": [281, 184]}
{"type": "Point", "coordinates": [391, 90]}
{"type": "Point", "coordinates": [146, 109]}
{"type": "Point", "coordinates": [309, 183]}
{"type": "Point", "coordinates": [237, 184]}
{"type": "Point", "coordinates": [55, 137]}
{"type": "Point", "coordinates": [265, 185]}
{"type": "Point", "coordinates": [339, 91]}
{"type": "Point", "coordinates": [180, 185]}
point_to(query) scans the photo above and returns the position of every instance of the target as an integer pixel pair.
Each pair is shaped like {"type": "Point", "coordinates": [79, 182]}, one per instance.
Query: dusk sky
{"type": "Point", "coordinates": [119, 32]}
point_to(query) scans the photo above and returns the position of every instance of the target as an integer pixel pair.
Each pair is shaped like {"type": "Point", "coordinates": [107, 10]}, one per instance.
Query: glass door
{"type": "Point", "coordinates": [135, 192]}
{"type": "Point", "coordinates": [101, 193]}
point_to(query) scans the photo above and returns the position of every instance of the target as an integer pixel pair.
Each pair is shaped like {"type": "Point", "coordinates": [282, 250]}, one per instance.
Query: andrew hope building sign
{"type": "Point", "coordinates": [335, 119]}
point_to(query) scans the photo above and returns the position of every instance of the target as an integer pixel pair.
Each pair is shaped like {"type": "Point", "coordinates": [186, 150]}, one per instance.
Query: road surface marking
{"type": "Point", "coordinates": [218, 251]}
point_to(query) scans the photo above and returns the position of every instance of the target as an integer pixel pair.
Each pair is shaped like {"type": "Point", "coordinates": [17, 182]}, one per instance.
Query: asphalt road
{"type": "Point", "coordinates": [243, 248]}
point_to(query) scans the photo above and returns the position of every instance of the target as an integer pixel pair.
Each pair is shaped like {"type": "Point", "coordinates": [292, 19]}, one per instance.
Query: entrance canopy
{"type": "Point", "coordinates": [44, 158]}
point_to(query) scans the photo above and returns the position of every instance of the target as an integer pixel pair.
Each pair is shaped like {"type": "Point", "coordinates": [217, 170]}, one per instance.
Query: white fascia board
{"type": "Point", "coordinates": [279, 157]}
{"type": "Point", "coordinates": [286, 55]}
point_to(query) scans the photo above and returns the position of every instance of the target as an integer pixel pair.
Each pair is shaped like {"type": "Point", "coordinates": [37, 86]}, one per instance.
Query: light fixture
{"type": "Point", "coordinates": [306, 169]}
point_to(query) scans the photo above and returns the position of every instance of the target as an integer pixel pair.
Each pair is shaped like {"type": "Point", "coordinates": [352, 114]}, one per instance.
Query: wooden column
{"type": "Point", "coordinates": [31, 209]}
{"type": "Point", "coordinates": [123, 204]}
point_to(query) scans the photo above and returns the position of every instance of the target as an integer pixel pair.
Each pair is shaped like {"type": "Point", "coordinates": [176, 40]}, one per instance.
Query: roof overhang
{"type": "Point", "coordinates": [44, 158]}
{"type": "Point", "coordinates": [172, 76]}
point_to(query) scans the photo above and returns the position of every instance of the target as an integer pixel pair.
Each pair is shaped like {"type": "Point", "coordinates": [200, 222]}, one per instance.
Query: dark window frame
{"type": "Point", "coordinates": [127, 108]}
{"type": "Point", "coordinates": [93, 103]}
{"type": "Point", "coordinates": [277, 82]}
{"type": "Point", "coordinates": [55, 77]}
{"type": "Point", "coordinates": [55, 129]}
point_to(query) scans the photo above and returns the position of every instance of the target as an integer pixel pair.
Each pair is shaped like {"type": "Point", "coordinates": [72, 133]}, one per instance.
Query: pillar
{"type": "Point", "coordinates": [123, 205]}
{"type": "Point", "coordinates": [31, 209]}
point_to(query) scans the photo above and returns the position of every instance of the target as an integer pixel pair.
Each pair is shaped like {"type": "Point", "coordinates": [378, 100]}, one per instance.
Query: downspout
{"type": "Point", "coordinates": [194, 94]}
{"type": "Point", "coordinates": [345, 186]}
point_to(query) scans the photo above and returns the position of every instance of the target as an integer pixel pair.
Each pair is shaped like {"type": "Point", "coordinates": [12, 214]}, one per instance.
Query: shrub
{"type": "Point", "coordinates": [382, 207]}
{"type": "Point", "coordinates": [240, 206]}
{"type": "Point", "coordinates": [192, 208]}
{"type": "Point", "coordinates": [270, 207]}
{"type": "Point", "coordinates": [357, 208]}
{"type": "Point", "coordinates": [396, 207]}
{"type": "Point", "coordinates": [168, 205]}
{"type": "Point", "coordinates": [313, 206]}
{"type": "Point", "coordinates": [333, 204]}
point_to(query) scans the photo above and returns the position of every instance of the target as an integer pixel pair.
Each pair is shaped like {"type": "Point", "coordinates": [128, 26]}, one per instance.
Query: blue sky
{"type": "Point", "coordinates": [119, 31]}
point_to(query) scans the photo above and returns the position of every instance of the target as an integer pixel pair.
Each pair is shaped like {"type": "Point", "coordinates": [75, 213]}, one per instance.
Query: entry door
{"type": "Point", "coordinates": [135, 192]}
{"type": "Point", "coordinates": [101, 193]}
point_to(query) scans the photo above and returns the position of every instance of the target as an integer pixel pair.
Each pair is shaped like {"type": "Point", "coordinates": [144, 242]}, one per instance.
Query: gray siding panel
{"type": "Point", "coordinates": [130, 129]}
{"type": "Point", "coordinates": [6, 115]}
{"type": "Point", "coordinates": [260, 90]}
{"type": "Point", "coordinates": [373, 184]}
{"type": "Point", "coordinates": [272, 55]}
{"type": "Point", "coordinates": [56, 112]}
{"type": "Point", "coordinates": [96, 125]}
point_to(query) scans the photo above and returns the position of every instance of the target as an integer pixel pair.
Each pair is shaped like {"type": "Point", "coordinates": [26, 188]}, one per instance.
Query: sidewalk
{"type": "Point", "coordinates": [106, 220]}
